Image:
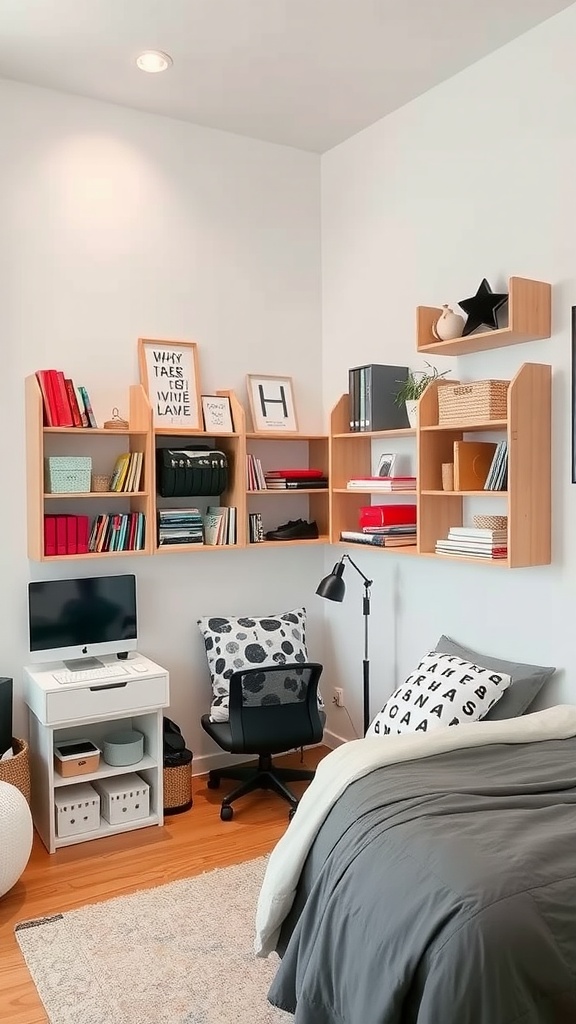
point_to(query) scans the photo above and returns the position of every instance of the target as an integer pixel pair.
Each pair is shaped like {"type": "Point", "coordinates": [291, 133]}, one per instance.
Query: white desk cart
{"type": "Point", "coordinates": [90, 710]}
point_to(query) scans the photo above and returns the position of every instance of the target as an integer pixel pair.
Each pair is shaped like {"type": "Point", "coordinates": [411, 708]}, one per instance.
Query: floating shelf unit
{"type": "Point", "coordinates": [104, 446]}
{"type": "Point", "coordinates": [314, 503]}
{"type": "Point", "coordinates": [529, 319]}
{"type": "Point", "coordinates": [234, 445]}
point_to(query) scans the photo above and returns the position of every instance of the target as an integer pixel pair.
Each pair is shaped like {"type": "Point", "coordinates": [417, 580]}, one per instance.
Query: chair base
{"type": "Point", "coordinates": [265, 776]}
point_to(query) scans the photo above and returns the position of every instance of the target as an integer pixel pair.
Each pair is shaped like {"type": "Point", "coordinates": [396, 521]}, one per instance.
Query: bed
{"type": "Point", "coordinates": [431, 880]}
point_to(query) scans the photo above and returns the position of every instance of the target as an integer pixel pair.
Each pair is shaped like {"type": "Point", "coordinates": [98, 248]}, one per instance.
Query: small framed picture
{"type": "Point", "coordinates": [217, 414]}
{"type": "Point", "coordinates": [386, 465]}
{"type": "Point", "coordinates": [271, 404]}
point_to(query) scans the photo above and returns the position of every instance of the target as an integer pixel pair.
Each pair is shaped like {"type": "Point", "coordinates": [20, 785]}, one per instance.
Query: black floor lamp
{"type": "Point", "coordinates": [334, 588]}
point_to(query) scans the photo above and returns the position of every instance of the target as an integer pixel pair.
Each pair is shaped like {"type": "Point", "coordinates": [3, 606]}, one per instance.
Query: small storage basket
{"type": "Point", "coordinates": [101, 481]}
{"type": "Point", "coordinates": [77, 810]}
{"type": "Point", "coordinates": [490, 522]}
{"type": "Point", "coordinates": [68, 474]}
{"type": "Point", "coordinates": [16, 770]}
{"type": "Point", "coordinates": [178, 782]}
{"type": "Point", "coordinates": [123, 798]}
{"type": "Point", "coordinates": [476, 402]}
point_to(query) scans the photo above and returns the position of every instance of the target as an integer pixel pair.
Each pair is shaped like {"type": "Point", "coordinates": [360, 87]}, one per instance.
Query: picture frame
{"type": "Point", "coordinates": [217, 414]}
{"type": "Point", "coordinates": [272, 405]}
{"type": "Point", "coordinates": [170, 375]}
{"type": "Point", "coordinates": [386, 465]}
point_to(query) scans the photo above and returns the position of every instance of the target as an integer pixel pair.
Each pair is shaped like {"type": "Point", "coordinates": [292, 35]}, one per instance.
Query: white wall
{"type": "Point", "coordinates": [116, 224]}
{"type": "Point", "coordinates": [474, 179]}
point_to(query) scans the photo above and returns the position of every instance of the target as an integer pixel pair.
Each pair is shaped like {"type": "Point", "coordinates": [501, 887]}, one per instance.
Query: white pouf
{"type": "Point", "coordinates": [15, 835]}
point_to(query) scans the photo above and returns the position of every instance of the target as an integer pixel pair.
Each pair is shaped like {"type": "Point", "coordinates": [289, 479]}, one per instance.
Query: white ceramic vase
{"type": "Point", "coordinates": [412, 411]}
{"type": "Point", "coordinates": [449, 325]}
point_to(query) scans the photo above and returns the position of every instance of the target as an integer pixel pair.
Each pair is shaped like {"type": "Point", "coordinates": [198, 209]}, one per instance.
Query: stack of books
{"type": "Point", "coordinates": [255, 480]}
{"type": "Point", "coordinates": [389, 526]}
{"type": "Point", "coordinates": [296, 479]}
{"type": "Point", "coordinates": [382, 483]}
{"type": "Point", "coordinates": [497, 479]}
{"type": "Point", "coordinates": [123, 532]}
{"type": "Point", "coordinates": [474, 542]}
{"type": "Point", "coordinates": [255, 528]}
{"type": "Point", "coordinates": [382, 536]}
{"type": "Point", "coordinates": [180, 526]}
{"type": "Point", "coordinates": [127, 473]}
{"type": "Point", "coordinates": [65, 404]}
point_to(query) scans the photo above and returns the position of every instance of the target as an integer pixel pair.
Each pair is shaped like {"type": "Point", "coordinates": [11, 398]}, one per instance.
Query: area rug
{"type": "Point", "coordinates": [180, 954]}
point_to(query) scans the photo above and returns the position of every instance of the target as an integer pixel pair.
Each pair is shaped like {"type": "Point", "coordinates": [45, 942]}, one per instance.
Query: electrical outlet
{"type": "Point", "coordinates": [339, 696]}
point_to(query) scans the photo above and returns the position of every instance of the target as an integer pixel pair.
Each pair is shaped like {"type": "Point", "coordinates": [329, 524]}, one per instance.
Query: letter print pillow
{"type": "Point", "coordinates": [250, 642]}
{"type": "Point", "coordinates": [444, 690]}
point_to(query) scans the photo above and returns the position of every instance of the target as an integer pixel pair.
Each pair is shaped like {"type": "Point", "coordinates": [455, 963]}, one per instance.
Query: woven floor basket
{"type": "Point", "coordinates": [477, 402]}
{"type": "Point", "coordinates": [178, 788]}
{"type": "Point", "coordinates": [16, 771]}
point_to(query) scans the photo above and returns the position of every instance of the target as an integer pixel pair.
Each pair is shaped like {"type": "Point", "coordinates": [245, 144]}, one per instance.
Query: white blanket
{"type": "Point", "coordinates": [351, 761]}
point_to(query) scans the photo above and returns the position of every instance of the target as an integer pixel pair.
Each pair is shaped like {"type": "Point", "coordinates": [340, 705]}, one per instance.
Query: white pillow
{"type": "Point", "coordinates": [250, 642]}
{"type": "Point", "coordinates": [444, 690]}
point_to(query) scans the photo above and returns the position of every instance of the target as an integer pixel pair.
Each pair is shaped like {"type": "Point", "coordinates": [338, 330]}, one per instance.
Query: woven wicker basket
{"type": "Point", "coordinates": [178, 785]}
{"type": "Point", "coordinates": [101, 481]}
{"type": "Point", "coordinates": [490, 522]}
{"type": "Point", "coordinates": [476, 402]}
{"type": "Point", "coordinates": [16, 771]}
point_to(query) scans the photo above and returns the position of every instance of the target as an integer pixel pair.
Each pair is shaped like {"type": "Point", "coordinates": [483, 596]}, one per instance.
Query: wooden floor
{"type": "Point", "coordinates": [188, 844]}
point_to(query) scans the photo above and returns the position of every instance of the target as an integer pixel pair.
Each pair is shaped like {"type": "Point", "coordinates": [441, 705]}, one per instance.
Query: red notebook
{"type": "Point", "coordinates": [386, 515]}
{"type": "Point", "coordinates": [289, 474]}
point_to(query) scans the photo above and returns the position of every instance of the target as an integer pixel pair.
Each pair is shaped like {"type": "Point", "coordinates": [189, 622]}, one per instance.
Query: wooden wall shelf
{"type": "Point", "coordinates": [529, 319]}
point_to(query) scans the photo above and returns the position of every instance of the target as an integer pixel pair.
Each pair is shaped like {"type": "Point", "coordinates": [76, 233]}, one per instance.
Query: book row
{"type": "Point", "coordinates": [217, 526]}
{"type": "Point", "coordinates": [73, 535]}
{"type": "Point", "coordinates": [65, 404]}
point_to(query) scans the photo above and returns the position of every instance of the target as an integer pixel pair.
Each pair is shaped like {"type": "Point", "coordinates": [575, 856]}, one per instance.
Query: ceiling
{"type": "Point", "coordinates": [305, 73]}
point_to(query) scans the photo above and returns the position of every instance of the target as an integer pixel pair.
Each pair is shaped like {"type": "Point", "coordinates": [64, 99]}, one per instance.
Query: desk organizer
{"type": "Point", "coordinates": [123, 798]}
{"type": "Point", "coordinates": [123, 747]}
{"type": "Point", "coordinates": [77, 809]}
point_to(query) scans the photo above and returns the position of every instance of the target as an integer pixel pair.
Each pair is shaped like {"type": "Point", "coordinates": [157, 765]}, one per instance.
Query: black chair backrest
{"type": "Point", "coordinates": [275, 708]}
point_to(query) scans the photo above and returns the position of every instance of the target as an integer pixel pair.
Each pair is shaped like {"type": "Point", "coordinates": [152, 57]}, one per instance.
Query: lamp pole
{"type": "Point", "coordinates": [366, 659]}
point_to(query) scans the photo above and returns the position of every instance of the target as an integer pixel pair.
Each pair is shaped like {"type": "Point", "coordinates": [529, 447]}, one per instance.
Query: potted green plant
{"type": "Point", "coordinates": [413, 387]}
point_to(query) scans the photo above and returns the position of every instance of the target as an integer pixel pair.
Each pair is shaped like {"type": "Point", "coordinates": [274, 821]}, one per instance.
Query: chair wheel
{"type": "Point", "coordinates": [226, 812]}
{"type": "Point", "coordinates": [291, 814]}
{"type": "Point", "coordinates": [213, 783]}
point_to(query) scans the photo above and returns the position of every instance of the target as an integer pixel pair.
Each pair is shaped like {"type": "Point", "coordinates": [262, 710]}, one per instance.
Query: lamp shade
{"type": "Point", "coordinates": [332, 586]}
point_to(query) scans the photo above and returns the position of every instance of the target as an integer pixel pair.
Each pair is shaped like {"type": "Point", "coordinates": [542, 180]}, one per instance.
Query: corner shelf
{"type": "Point", "coordinates": [529, 319]}
{"type": "Point", "coordinates": [315, 500]}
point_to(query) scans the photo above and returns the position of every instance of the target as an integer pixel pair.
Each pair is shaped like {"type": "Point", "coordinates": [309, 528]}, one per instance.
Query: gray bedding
{"type": "Point", "coordinates": [441, 891]}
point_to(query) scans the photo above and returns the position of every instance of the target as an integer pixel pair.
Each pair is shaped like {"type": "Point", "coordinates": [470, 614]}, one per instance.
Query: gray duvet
{"type": "Point", "coordinates": [441, 891]}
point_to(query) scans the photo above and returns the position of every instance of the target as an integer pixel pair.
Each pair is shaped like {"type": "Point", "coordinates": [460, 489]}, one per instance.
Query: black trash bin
{"type": "Point", "coordinates": [178, 782]}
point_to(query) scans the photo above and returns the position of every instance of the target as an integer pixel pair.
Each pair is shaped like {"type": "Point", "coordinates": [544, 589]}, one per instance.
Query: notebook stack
{"type": "Point", "coordinates": [180, 526]}
{"type": "Point", "coordinates": [385, 526]}
{"type": "Point", "coordinates": [474, 542]}
{"type": "Point", "coordinates": [382, 483]}
{"type": "Point", "coordinates": [296, 479]}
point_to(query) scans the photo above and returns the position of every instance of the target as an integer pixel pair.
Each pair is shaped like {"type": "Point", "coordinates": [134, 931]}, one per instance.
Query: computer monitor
{"type": "Point", "coordinates": [82, 618]}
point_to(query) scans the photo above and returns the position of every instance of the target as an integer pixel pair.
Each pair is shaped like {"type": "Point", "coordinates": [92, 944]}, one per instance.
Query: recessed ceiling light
{"type": "Point", "coordinates": [154, 61]}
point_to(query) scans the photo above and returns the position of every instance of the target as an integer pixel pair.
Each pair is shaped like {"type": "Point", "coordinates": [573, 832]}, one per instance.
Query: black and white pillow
{"type": "Point", "coordinates": [444, 690]}
{"type": "Point", "coordinates": [250, 642]}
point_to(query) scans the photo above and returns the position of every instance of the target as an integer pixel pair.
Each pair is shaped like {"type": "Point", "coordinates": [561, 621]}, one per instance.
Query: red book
{"type": "Point", "coordinates": [61, 535]}
{"type": "Point", "coordinates": [291, 473]}
{"type": "Point", "coordinates": [50, 419]}
{"type": "Point", "coordinates": [132, 531]}
{"type": "Point", "coordinates": [62, 405]}
{"type": "Point", "coordinates": [71, 535]}
{"type": "Point", "coordinates": [73, 402]}
{"type": "Point", "coordinates": [386, 515]}
{"type": "Point", "coordinates": [49, 535]}
{"type": "Point", "coordinates": [82, 529]}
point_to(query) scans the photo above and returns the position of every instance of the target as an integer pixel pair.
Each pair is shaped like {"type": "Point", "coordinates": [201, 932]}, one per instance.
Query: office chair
{"type": "Point", "coordinates": [272, 710]}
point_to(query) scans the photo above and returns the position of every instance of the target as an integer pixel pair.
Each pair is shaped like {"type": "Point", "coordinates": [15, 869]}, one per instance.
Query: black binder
{"type": "Point", "coordinates": [185, 472]}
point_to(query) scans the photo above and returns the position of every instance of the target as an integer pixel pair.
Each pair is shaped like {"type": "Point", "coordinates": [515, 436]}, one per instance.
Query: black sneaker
{"type": "Point", "coordinates": [297, 529]}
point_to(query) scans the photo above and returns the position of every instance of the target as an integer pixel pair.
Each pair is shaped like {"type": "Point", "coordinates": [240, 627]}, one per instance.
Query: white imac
{"type": "Point", "coordinates": [82, 618]}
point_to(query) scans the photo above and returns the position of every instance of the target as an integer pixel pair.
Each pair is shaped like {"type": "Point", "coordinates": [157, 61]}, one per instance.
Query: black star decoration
{"type": "Point", "coordinates": [482, 309]}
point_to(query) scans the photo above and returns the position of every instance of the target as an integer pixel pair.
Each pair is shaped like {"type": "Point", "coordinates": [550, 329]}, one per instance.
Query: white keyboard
{"type": "Point", "coordinates": [90, 674]}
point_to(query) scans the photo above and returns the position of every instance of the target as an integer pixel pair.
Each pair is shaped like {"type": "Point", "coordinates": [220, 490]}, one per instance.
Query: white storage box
{"type": "Point", "coordinates": [77, 809]}
{"type": "Point", "coordinates": [123, 798]}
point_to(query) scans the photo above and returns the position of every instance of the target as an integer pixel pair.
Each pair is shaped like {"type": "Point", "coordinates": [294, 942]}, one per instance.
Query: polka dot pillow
{"type": "Point", "coordinates": [250, 642]}
{"type": "Point", "coordinates": [444, 690]}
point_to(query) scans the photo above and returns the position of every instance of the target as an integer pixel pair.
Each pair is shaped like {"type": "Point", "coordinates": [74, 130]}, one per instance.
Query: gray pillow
{"type": "Point", "coordinates": [527, 680]}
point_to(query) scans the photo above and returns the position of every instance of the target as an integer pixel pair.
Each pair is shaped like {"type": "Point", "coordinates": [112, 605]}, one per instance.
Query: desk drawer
{"type": "Point", "coordinates": [101, 699]}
